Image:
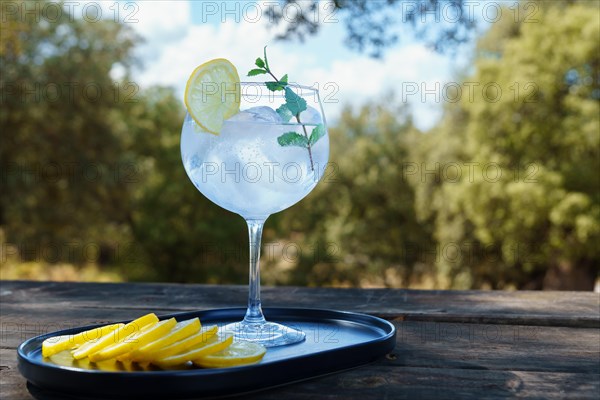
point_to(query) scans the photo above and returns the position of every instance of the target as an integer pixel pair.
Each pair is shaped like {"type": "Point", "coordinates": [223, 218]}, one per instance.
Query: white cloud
{"type": "Point", "coordinates": [174, 47]}
{"type": "Point", "coordinates": [162, 20]}
{"type": "Point", "coordinates": [361, 79]}
{"type": "Point", "coordinates": [189, 47]}
{"type": "Point", "coordinates": [161, 23]}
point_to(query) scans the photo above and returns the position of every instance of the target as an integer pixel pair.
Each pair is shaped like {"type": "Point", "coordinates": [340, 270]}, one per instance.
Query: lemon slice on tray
{"type": "Point", "coordinates": [147, 334]}
{"type": "Point", "coordinates": [113, 337]}
{"type": "Point", "coordinates": [238, 353]}
{"type": "Point", "coordinates": [56, 344]}
{"type": "Point", "coordinates": [179, 347]}
{"type": "Point", "coordinates": [210, 346]}
{"type": "Point", "coordinates": [212, 94]}
{"type": "Point", "coordinates": [180, 332]}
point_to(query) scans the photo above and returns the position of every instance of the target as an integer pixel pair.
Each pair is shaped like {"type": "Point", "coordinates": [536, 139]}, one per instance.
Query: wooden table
{"type": "Point", "coordinates": [450, 344]}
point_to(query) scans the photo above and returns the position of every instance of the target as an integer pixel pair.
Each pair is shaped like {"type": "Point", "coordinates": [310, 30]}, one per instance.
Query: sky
{"type": "Point", "coordinates": [180, 35]}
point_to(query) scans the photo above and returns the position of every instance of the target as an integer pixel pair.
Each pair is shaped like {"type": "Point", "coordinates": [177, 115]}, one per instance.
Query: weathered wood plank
{"type": "Point", "coordinates": [444, 348]}
{"type": "Point", "coordinates": [497, 347]}
{"type": "Point", "coordinates": [577, 309]}
{"type": "Point", "coordinates": [377, 382]}
{"type": "Point", "coordinates": [12, 384]}
{"type": "Point", "coordinates": [419, 343]}
{"type": "Point", "coordinates": [380, 381]}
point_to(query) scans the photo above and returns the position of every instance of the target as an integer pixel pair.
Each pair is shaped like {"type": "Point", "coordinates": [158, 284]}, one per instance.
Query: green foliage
{"type": "Point", "coordinates": [64, 150]}
{"type": "Point", "coordinates": [542, 214]}
{"type": "Point", "coordinates": [185, 236]}
{"type": "Point", "coordinates": [104, 172]}
{"type": "Point", "coordinates": [359, 226]}
{"type": "Point", "coordinates": [373, 27]}
{"type": "Point", "coordinates": [503, 193]}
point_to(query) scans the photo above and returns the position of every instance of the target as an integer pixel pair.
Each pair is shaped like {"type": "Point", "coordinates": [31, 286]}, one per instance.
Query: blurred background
{"type": "Point", "coordinates": [465, 139]}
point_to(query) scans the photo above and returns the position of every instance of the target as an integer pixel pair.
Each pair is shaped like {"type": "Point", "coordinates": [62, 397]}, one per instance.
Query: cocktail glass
{"type": "Point", "coordinates": [259, 165]}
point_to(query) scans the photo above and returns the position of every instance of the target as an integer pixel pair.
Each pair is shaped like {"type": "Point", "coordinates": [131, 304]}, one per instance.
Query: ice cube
{"type": "Point", "coordinates": [257, 114]}
{"type": "Point", "coordinates": [311, 116]}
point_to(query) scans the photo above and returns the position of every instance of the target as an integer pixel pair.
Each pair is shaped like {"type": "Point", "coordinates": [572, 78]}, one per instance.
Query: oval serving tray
{"type": "Point", "coordinates": [335, 340]}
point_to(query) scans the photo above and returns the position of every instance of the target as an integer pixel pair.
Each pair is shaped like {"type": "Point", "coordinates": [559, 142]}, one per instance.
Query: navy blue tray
{"type": "Point", "coordinates": [335, 340]}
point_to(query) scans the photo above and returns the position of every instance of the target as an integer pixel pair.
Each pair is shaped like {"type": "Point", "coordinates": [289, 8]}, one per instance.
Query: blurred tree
{"type": "Point", "coordinates": [185, 236]}
{"type": "Point", "coordinates": [372, 26]}
{"type": "Point", "coordinates": [64, 168]}
{"type": "Point", "coordinates": [503, 193]}
{"type": "Point", "coordinates": [360, 222]}
{"type": "Point", "coordinates": [525, 212]}
{"type": "Point", "coordinates": [91, 169]}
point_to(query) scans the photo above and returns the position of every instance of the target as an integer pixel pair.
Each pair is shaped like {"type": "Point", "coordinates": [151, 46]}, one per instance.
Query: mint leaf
{"type": "Point", "coordinates": [266, 61]}
{"type": "Point", "coordinates": [317, 133]}
{"type": "Point", "coordinates": [274, 86]}
{"type": "Point", "coordinates": [284, 79]}
{"type": "Point", "coordinates": [259, 63]}
{"type": "Point", "coordinates": [285, 113]}
{"type": "Point", "coordinates": [256, 71]}
{"type": "Point", "coordinates": [295, 103]}
{"type": "Point", "coordinates": [292, 139]}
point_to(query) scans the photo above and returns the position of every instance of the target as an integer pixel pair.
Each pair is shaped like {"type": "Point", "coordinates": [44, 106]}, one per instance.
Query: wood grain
{"type": "Point", "coordinates": [577, 309]}
{"type": "Point", "coordinates": [467, 345]}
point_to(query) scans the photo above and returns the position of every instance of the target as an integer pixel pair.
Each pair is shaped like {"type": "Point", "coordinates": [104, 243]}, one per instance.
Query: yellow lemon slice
{"type": "Point", "coordinates": [212, 94]}
{"type": "Point", "coordinates": [239, 353]}
{"type": "Point", "coordinates": [147, 334]}
{"type": "Point", "coordinates": [114, 336]}
{"type": "Point", "coordinates": [213, 345]}
{"type": "Point", "coordinates": [56, 344]}
{"type": "Point", "coordinates": [182, 345]}
{"type": "Point", "coordinates": [181, 331]}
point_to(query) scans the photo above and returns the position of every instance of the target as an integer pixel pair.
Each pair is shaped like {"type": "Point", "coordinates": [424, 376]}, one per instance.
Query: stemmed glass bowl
{"type": "Point", "coordinates": [262, 162]}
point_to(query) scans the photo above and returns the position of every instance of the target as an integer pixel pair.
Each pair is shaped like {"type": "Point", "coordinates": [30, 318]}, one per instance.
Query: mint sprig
{"type": "Point", "coordinates": [285, 113]}
{"type": "Point", "coordinates": [257, 71]}
{"type": "Point", "coordinates": [317, 133]}
{"type": "Point", "coordinates": [295, 139]}
{"type": "Point", "coordinates": [259, 62]}
{"type": "Point", "coordinates": [294, 105]}
{"type": "Point", "coordinates": [292, 139]}
{"type": "Point", "coordinates": [263, 68]}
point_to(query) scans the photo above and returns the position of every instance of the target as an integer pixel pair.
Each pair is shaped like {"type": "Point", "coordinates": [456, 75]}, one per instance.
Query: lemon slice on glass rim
{"type": "Point", "coordinates": [212, 94]}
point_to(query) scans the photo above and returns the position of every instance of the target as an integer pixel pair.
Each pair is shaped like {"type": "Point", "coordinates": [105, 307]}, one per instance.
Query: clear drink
{"type": "Point", "coordinates": [246, 171]}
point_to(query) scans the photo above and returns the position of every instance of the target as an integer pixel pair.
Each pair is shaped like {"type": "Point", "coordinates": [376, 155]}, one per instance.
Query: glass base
{"type": "Point", "coordinates": [269, 334]}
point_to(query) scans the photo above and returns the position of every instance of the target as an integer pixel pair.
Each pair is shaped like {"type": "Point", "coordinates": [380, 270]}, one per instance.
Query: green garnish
{"type": "Point", "coordinates": [293, 107]}
{"type": "Point", "coordinates": [285, 113]}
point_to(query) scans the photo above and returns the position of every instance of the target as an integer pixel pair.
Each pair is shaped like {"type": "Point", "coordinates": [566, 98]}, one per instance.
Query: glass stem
{"type": "Point", "coordinates": [254, 314]}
